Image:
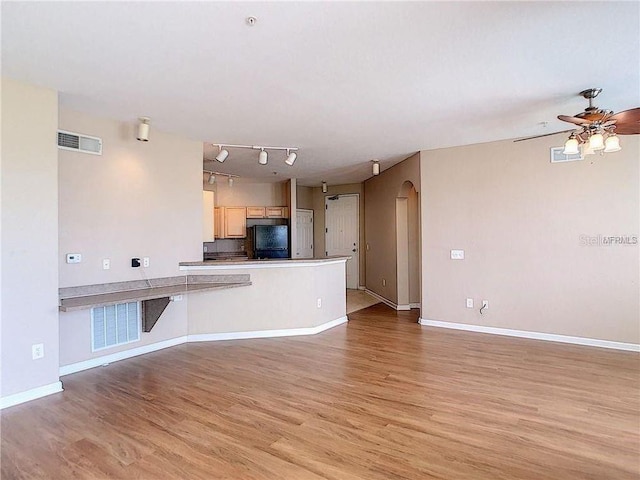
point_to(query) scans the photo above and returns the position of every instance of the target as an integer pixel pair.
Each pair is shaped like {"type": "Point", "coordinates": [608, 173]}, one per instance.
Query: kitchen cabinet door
{"type": "Point", "coordinates": [235, 222]}
{"type": "Point", "coordinates": [277, 212]}
{"type": "Point", "coordinates": [218, 222]}
{"type": "Point", "coordinates": [255, 212]}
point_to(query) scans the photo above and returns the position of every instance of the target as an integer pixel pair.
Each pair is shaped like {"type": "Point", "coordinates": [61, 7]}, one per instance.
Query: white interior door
{"type": "Point", "coordinates": [304, 233]}
{"type": "Point", "coordinates": [342, 232]}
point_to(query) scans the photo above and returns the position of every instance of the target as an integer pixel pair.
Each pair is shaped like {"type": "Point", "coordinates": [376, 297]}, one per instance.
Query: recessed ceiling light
{"type": "Point", "coordinates": [251, 21]}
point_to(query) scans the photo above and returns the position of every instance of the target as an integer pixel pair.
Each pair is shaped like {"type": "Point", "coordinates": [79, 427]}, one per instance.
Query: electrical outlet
{"type": "Point", "coordinates": [319, 303]}
{"type": "Point", "coordinates": [145, 262]}
{"type": "Point", "coordinates": [37, 351]}
{"type": "Point", "coordinates": [106, 264]}
{"type": "Point", "coordinates": [485, 304]}
{"type": "Point", "coordinates": [469, 302]}
{"type": "Point", "coordinates": [457, 254]}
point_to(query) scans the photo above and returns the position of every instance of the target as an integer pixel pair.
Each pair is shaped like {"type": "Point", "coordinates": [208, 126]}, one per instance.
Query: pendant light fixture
{"type": "Point", "coordinates": [143, 129]}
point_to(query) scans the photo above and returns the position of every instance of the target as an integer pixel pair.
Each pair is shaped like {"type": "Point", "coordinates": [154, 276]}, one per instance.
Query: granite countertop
{"type": "Point", "coordinates": [89, 296]}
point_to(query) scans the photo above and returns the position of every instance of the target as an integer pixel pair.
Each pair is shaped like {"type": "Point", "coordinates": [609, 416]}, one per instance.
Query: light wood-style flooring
{"type": "Point", "coordinates": [359, 299]}
{"type": "Point", "coordinates": [379, 398]}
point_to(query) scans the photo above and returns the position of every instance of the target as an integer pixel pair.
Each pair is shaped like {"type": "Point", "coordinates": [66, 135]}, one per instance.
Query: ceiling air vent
{"type": "Point", "coordinates": [79, 143]}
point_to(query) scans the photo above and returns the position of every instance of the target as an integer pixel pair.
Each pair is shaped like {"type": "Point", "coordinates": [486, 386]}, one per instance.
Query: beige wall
{"type": "Point", "coordinates": [305, 197]}
{"type": "Point", "coordinates": [29, 206]}
{"type": "Point", "coordinates": [137, 199]}
{"type": "Point", "coordinates": [519, 219]}
{"type": "Point", "coordinates": [381, 193]}
{"type": "Point", "coordinates": [319, 225]}
{"type": "Point", "coordinates": [247, 193]}
{"type": "Point", "coordinates": [290, 293]}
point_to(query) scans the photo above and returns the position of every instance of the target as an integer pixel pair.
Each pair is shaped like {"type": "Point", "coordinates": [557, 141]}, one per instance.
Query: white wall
{"type": "Point", "coordinates": [137, 199]}
{"type": "Point", "coordinates": [520, 219]}
{"type": "Point", "coordinates": [29, 236]}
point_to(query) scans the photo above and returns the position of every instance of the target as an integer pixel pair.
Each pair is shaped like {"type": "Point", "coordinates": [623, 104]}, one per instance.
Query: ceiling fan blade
{"type": "Point", "coordinates": [576, 120]}
{"type": "Point", "coordinates": [627, 122]}
{"type": "Point", "coordinates": [543, 135]}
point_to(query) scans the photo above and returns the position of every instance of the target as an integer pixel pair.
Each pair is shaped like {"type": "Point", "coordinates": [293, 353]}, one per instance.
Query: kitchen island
{"type": "Point", "coordinates": [286, 297]}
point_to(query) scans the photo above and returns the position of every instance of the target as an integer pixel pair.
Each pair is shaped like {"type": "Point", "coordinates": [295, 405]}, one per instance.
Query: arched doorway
{"type": "Point", "coordinates": [408, 247]}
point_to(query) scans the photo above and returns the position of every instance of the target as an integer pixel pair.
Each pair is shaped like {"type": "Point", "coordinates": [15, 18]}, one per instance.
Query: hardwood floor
{"type": "Point", "coordinates": [379, 398]}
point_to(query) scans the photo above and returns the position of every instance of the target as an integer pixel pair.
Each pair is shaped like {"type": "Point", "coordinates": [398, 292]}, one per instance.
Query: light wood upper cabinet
{"type": "Point", "coordinates": [276, 212]}
{"type": "Point", "coordinates": [255, 212]}
{"type": "Point", "coordinates": [235, 222]}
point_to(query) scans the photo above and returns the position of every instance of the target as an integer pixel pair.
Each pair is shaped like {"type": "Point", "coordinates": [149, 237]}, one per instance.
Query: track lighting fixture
{"type": "Point", "coordinates": [230, 181]}
{"type": "Point", "coordinates": [324, 187]}
{"type": "Point", "coordinates": [212, 179]}
{"type": "Point", "coordinates": [291, 157]}
{"type": "Point", "coordinates": [143, 129]}
{"type": "Point", "coordinates": [376, 167]}
{"type": "Point", "coordinates": [263, 158]}
{"type": "Point", "coordinates": [222, 154]}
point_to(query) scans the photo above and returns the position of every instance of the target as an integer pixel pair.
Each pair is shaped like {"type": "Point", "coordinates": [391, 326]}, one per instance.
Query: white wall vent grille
{"type": "Point", "coordinates": [558, 157]}
{"type": "Point", "coordinates": [115, 325]}
{"type": "Point", "coordinates": [79, 143]}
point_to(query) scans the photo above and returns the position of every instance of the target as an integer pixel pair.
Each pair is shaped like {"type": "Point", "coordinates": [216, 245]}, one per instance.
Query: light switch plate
{"type": "Point", "coordinates": [457, 254]}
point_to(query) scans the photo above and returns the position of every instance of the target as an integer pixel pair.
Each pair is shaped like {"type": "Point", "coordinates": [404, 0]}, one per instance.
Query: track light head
{"type": "Point", "coordinates": [212, 179]}
{"type": "Point", "coordinates": [291, 157]}
{"type": "Point", "coordinates": [324, 187]}
{"type": "Point", "coordinates": [222, 154]}
{"type": "Point", "coordinates": [263, 158]}
{"type": "Point", "coordinates": [376, 167]}
{"type": "Point", "coordinates": [230, 181]}
{"type": "Point", "coordinates": [143, 129]}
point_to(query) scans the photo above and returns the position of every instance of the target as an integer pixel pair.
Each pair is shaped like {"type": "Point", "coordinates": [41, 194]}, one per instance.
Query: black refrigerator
{"type": "Point", "coordinates": [270, 241]}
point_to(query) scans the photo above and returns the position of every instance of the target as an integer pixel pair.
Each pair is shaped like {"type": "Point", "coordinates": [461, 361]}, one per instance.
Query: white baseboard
{"type": "Point", "coordinates": [289, 332]}
{"type": "Point", "coordinates": [39, 392]}
{"type": "Point", "coordinates": [551, 337]}
{"type": "Point", "coordinates": [414, 305]}
{"type": "Point", "coordinates": [114, 357]}
{"type": "Point", "coordinates": [387, 302]}
{"type": "Point", "coordinates": [206, 337]}
{"type": "Point", "coordinates": [362, 287]}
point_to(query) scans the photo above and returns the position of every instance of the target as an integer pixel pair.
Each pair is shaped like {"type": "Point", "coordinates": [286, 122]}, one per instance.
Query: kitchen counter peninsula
{"type": "Point", "coordinates": [261, 263]}
{"type": "Point", "coordinates": [286, 297]}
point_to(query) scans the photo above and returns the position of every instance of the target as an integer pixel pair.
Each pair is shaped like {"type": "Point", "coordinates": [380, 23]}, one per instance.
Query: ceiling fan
{"type": "Point", "coordinates": [598, 128]}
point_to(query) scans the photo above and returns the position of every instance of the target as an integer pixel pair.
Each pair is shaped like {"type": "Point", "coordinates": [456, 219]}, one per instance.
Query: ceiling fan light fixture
{"type": "Point", "coordinates": [571, 146]}
{"type": "Point", "coordinates": [596, 141]}
{"type": "Point", "coordinates": [612, 144]}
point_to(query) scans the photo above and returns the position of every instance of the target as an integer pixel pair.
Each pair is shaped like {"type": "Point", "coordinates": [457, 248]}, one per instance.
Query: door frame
{"type": "Point", "coordinates": [326, 200]}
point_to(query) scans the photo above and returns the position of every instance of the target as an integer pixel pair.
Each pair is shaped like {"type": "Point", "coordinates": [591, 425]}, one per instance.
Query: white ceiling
{"type": "Point", "coordinates": [344, 82]}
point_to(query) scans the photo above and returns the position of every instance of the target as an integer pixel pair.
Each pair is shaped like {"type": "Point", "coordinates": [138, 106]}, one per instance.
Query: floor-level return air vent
{"type": "Point", "coordinates": [79, 143]}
